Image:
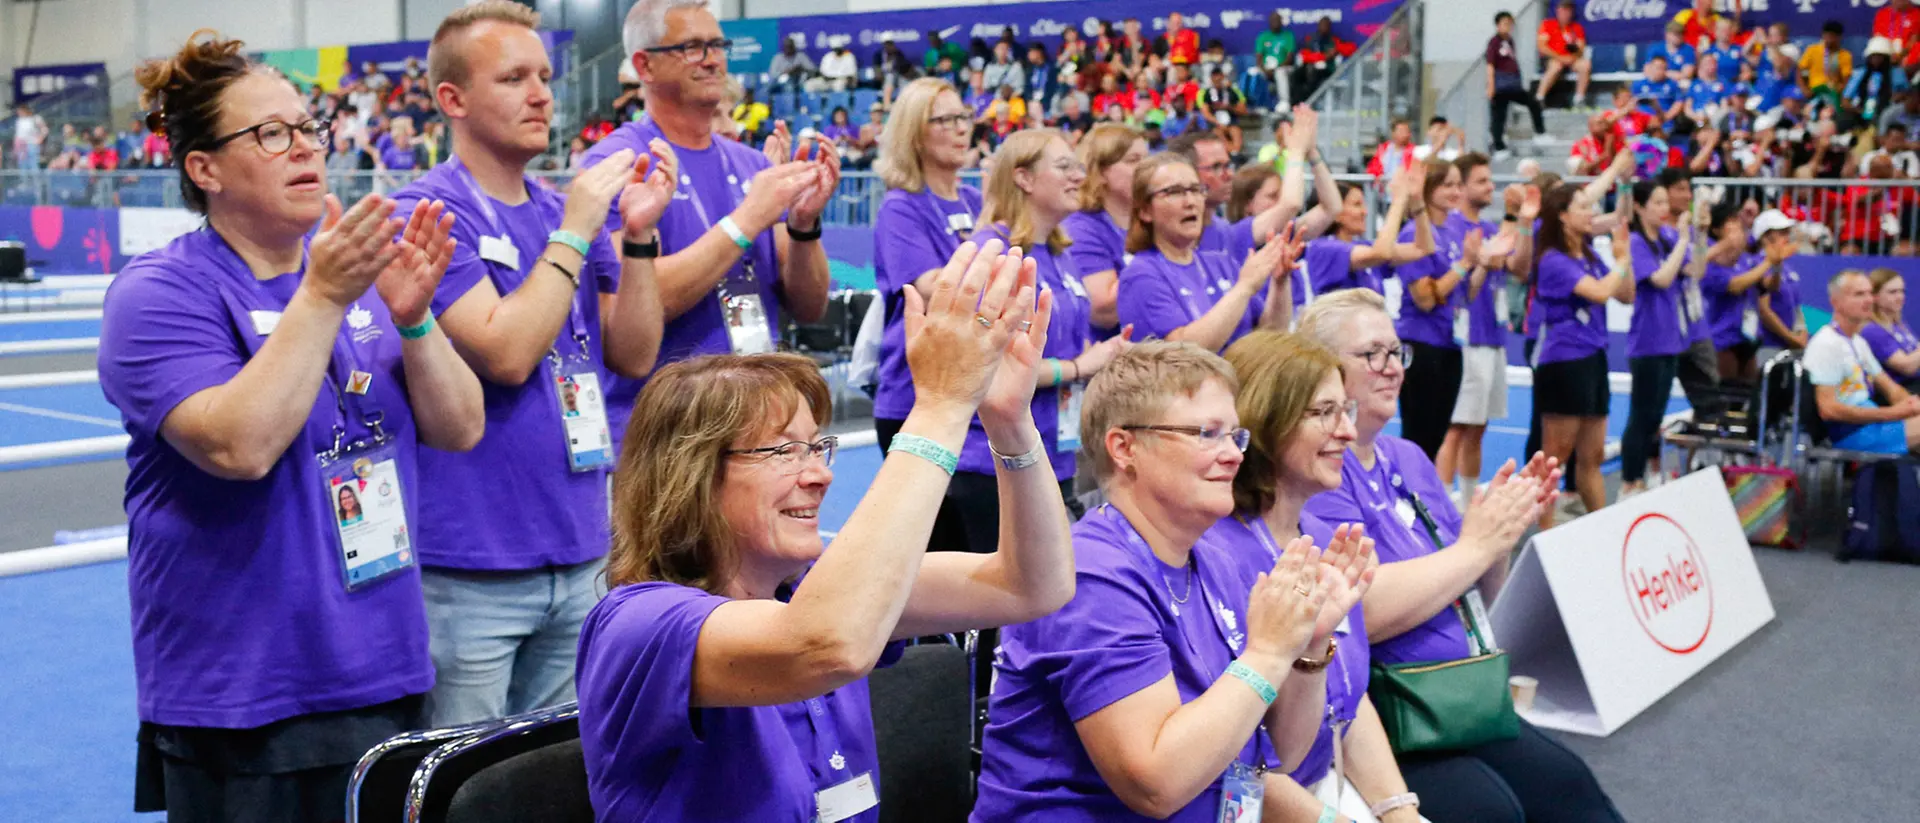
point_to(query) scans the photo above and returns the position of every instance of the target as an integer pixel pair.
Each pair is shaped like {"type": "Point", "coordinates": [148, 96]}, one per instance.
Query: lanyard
{"type": "Point", "coordinates": [340, 371]}
{"type": "Point", "coordinates": [1476, 643]}
{"type": "Point", "coordinates": [649, 130]}
{"type": "Point", "coordinates": [576, 319]}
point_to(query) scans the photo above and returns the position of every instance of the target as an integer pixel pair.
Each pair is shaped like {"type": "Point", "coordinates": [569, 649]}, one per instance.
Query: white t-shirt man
{"type": "Point", "coordinates": [1845, 363]}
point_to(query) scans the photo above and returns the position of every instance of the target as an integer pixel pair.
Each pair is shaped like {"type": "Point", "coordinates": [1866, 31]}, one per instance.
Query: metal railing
{"type": "Point", "coordinates": [1381, 81]}
{"type": "Point", "coordinates": [1465, 103]}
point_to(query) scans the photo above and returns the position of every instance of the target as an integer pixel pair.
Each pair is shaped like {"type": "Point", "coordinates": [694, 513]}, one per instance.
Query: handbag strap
{"type": "Point", "coordinates": [1476, 638]}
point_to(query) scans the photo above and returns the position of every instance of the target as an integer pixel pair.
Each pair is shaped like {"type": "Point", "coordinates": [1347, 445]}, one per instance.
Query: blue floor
{"type": "Point", "coordinates": [50, 413]}
{"type": "Point", "coordinates": [48, 330]}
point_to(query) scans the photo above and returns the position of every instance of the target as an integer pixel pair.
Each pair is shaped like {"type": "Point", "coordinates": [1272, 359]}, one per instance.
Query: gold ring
{"type": "Point", "coordinates": [1303, 591]}
{"type": "Point", "coordinates": [983, 321]}
{"type": "Point", "coordinates": [1026, 324]}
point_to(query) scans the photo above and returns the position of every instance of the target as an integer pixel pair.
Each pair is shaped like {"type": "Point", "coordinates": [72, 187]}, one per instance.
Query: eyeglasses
{"type": "Point", "coordinates": [1328, 415]}
{"type": "Point", "coordinates": [792, 456]}
{"type": "Point", "coordinates": [1377, 359]}
{"type": "Point", "coordinates": [276, 136]}
{"type": "Point", "coordinates": [1069, 166]}
{"type": "Point", "coordinates": [950, 121]}
{"type": "Point", "coordinates": [1190, 190]}
{"type": "Point", "coordinates": [694, 51]}
{"type": "Point", "coordinates": [1214, 436]}
{"type": "Point", "coordinates": [1216, 168]}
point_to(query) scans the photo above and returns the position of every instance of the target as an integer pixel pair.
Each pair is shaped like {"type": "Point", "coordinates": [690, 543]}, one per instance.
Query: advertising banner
{"type": "Point", "coordinates": [755, 42]}
{"type": "Point", "coordinates": [1644, 21]}
{"type": "Point", "coordinates": [30, 82]}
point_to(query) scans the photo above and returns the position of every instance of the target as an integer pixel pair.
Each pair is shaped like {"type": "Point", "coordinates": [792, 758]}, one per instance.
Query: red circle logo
{"type": "Point", "coordinates": [1666, 583]}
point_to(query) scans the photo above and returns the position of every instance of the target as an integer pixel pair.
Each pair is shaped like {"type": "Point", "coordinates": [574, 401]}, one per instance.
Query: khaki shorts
{"type": "Point", "coordinates": [1483, 386]}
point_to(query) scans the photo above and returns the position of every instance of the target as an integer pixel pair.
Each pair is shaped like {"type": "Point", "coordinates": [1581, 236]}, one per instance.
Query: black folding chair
{"type": "Point", "coordinates": [444, 771]}
{"type": "Point", "coordinates": [923, 730]}
{"type": "Point", "coordinates": [377, 790]}
{"type": "Point", "coordinates": [547, 784]}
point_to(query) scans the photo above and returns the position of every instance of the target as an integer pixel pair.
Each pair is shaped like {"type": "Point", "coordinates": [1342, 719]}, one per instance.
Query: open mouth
{"type": "Point", "coordinates": [305, 181]}
{"type": "Point", "coordinates": [809, 515]}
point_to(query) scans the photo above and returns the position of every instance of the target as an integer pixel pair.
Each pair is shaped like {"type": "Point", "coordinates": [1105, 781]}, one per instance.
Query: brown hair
{"type": "Point", "coordinates": [667, 522]}
{"type": "Point", "coordinates": [1137, 386]}
{"type": "Point", "coordinates": [183, 93]}
{"type": "Point", "coordinates": [445, 63]}
{"type": "Point", "coordinates": [1436, 177]}
{"type": "Point", "coordinates": [1004, 202]}
{"type": "Point", "coordinates": [1247, 182]}
{"type": "Point", "coordinates": [1102, 147]}
{"type": "Point", "coordinates": [1880, 277]}
{"type": "Point", "coordinates": [1279, 374]}
{"type": "Point", "coordinates": [1140, 232]}
{"type": "Point", "coordinates": [1466, 163]}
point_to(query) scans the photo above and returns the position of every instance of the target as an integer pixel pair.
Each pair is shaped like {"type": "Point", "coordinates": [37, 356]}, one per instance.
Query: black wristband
{"type": "Point", "coordinates": [799, 236]}
{"type": "Point", "coordinates": [641, 251]}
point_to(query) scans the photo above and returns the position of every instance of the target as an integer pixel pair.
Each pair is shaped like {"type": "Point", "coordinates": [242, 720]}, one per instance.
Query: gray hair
{"type": "Point", "coordinates": [1839, 282]}
{"type": "Point", "coordinates": [1327, 317]}
{"type": "Point", "coordinates": [646, 23]}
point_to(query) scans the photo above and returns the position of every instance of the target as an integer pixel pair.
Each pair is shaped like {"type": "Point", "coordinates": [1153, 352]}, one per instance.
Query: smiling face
{"type": "Point", "coordinates": [1184, 471]}
{"type": "Point", "coordinates": [699, 85]}
{"type": "Point", "coordinates": [1655, 212]}
{"type": "Point", "coordinates": [1369, 336]}
{"type": "Point", "coordinates": [1052, 182]}
{"type": "Point", "coordinates": [1309, 461]}
{"type": "Point", "coordinates": [1353, 211]}
{"type": "Point", "coordinates": [287, 190]}
{"type": "Point", "coordinates": [774, 507]}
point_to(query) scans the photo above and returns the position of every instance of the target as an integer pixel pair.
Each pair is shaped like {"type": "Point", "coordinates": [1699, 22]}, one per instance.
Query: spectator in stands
{"type": "Point", "coordinates": [375, 81]}
{"type": "Point", "coordinates": [1221, 125]}
{"type": "Point", "coordinates": [130, 142]}
{"type": "Point", "coordinates": [1098, 231]}
{"type": "Point", "coordinates": [233, 554]}
{"type": "Point", "coordinates": [716, 517]}
{"type": "Point", "coordinates": [1666, 265]}
{"type": "Point", "coordinates": [1728, 48]}
{"type": "Point", "coordinates": [938, 47]}
{"type": "Point", "coordinates": [751, 114]}
{"type": "Point", "coordinates": [1213, 60]}
{"type": "Point", "coordinates": [869, 140]}
{"type": "Point", "coordinates": [1889, 337]}
{"type": "Point", "coordinates": [1170, 215]}
{"type": "Point", "coordinates": [1895, 147]}
{"type": "Point", "coordinates": [1906, 114]}
{"type": "Point", "coordinates": [1393, 154]}
{"type": "Point", "coordinates": [1221, 96]}
{"type": "Point", "coordinates": [1899, 22]}
{"type": "Point", "coordinates": [1181, 119]}
{"type": "Point", "coordinates": [839, 71]}
{"type": "Point", "coordinates": [1781, 324]}
{"type": "Point", "coordinates": [1320, 56]}
{"type": "Point", "coordinates": [1820, 154]}
{"type": "Point", "coordinates": [1573, 285]}
{"type": "Point", "coordinates": [1731, 288]}
{"type": "Point", "coordinates": [1593, 152]}
{"type": "Point", "coordinates": [1826, 65]}
{"type": "Point", "coordinates": [1563, 48]}
{"type": "Point", "coordinates": [1100, 711]}
{"type": "Point", "coordinates": [1432, 560]}
{"type": "Point", "coordinates": [1506, 86]}
{"type": "Point", "coordinates": [1439, 134]}
{"type": "Point", "coordinates": [1005, 71]}
{"type": "Point", "coordinates": [1696, 24]}
{"type": "Point", "coordinates": [1864, 408]}
{"type": "Point", "coordinates": [1656, 93]}
{"type": "Point", "coordinates": [1041, 82]}
{"type": "Point", "coordinates": [925, 216]}
{"type": "Point", "coordinates": [1073, 120]}
{"type": "Point", "coordinates": [791, 68]}
{"type": "Point", "coordinates": [1131, 48]}
{"type": "Point", "coordinates": [844, 136]}
{"type": "Point", "coordinates": [1872, 89]}
{"type": "Point", "coordinates": [1345, 259]}
{"type": "Point", "coordinates": [402, 151]}
{"type": "Point", "coordinates": [1179, 45]}
{"type": "Point", "coordinates": [1775, 47]}
{"type": "Point", "coordinates": [1006, 114]}
{"type": "Point", "coordinates": [1491, 250]}
{"type": "Point", "coordinates": [1677, 54]}
{"type": "Point", "coordinates": [1182, 83]}
{"type": "Point", "coordinates": [1705, 98]}
{"type": "Point", "coordinates": [980, 96]}
{"type": "Point", "coordinates": [1274, 53]}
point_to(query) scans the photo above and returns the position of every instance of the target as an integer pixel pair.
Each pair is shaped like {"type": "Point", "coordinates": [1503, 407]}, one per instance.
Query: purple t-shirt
{"type": "Point", "coordinates": [396, 157]}
{"type": "Point", "coordinates": [1785, 302]}
{"type": "Point", "coordinates": [1727, 312]}
{"type": "Point", "coordinates": [1484, 326]}
{"type": "Point", "coordinates": [1248, 540]}
{"type": "Point", "coordinates": [1158, 295]}
{"type": "Point", "coordinates": [652, 756]}
{"type": "Point", "coordinates": [1887, 342]}
{"type": "Point", "coordinates": [1069, 333]}
{"type": "Point", "coordinates": [1099, 244]}
{"type": "Point", "coordinates": [1434, 328]}
{"type": "Point", "coordinates": [474, 515]}
{"type": "Point", "coordinates": [719, 175]}
{"type": "Point", "coordinates": [241, 615]}
{"type": "Point", "coordinates": [1124, 630]}
{"type": "Point", "coordinates": [1661, 323]}
{"type": "Point", "coordinates": [1329, 264]}
{"type": "Point", "coordinates": [1382, 498]}
{"type": "Point", "coordinates": [916, 232]}
{"type": "Point", "coordinates": [1571, 326]}
{"type": "Point", "coordinates": [1232, 239]}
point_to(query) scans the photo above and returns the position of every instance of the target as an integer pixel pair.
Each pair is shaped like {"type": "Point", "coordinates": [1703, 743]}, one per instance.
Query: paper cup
{"type": "Point", "coordinates": [1523, 688]}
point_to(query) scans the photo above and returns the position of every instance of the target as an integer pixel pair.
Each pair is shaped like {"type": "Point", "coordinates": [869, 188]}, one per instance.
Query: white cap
{"type": "Point", "coordinates": [1772, 220]}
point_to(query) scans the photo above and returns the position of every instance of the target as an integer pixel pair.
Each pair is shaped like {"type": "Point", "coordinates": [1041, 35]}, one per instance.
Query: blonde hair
{"type": "Point", "coordinates": [1004, 202]}
{"type": "Point", "coordinates": [667, 520]}
{"type": "Point", "coordinates": [1325, 320]}
{"type": "Point", "coordinates": [1279, 375]}
{"type": "Point", "coordinates": [1880, 277]}
{"type": "Point", "coordinates": [445, 63]}
{"type": "Point", "coordinates": [1140, 232]}
{"type": "Point", "coordinates": [1138, 386]}
{"type": "Point", "coordinates": [1105, 145]}
{"type": "Point", "coordinates": [899, 163]}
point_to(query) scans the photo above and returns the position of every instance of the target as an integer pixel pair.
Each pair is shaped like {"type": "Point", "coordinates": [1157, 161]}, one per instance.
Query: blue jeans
{"type": "Point", "coordinates": [503, 643]}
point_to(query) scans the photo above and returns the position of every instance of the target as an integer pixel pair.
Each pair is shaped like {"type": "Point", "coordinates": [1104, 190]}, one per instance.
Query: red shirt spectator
{"type": "Point", "coordinates": [1122, 98]}
{"type": "Point", "coordinates": [1563, 40]}
{"type": "Point", "coordinates": [103, 158]}
{"type": "Point", "coordinates": [1182, 43]}
{"type": "Point", "coordinates": [1593, 154]}
{"type": "Point", "coordinates": [1900, 22]}
{"type": "Point", "coordinates": [1699, 23]}
{"type": "Point", "coordinates": [1189, 90]}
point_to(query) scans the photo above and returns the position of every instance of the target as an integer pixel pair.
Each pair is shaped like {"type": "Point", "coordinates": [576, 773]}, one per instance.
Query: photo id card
{"type": "Point", "coordinates": [746, 320]}
{"type": "Point", "coordinates": [1241, 794]}
{"type": "Point", "coordinates": [369, 512]}
{"type": "Point", "coordinates": [583, 415]}
{"type": "Point", "coordinates": [1068, 420]}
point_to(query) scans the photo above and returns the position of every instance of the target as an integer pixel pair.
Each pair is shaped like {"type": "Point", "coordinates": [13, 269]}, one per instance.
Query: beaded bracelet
{"type": "Point", "coordinates": [928, 450]}
{"type": "Point", "coordinates": [1254, 680]}
{"type": "Point", "coordinates": [1395, 802]}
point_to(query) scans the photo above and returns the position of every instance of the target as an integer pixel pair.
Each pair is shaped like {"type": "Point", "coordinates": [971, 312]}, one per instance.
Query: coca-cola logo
{"type": "Point", "coordinates": [1665, 578]}
{"type": "Point", "coordinates": [1598, 10]}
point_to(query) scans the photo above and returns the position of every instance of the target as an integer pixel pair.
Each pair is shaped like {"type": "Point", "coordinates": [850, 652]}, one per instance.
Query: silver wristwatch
{"type": "Point", "coordinates": [1034, 456]}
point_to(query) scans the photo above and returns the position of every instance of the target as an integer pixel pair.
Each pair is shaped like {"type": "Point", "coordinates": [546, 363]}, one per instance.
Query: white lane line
{"type": "Point", "coordinates": [63, 344]}
{"type": "Point", "coordinates": [49, 558]}
{"type": "Point", "coordinates": [48, 316]}
{"type": "Point", "coordinates": [60, 415]}
{"type": "Point", "coordinates": [83, 447]}
{"type": "Point", "coordinates": [48, 378]}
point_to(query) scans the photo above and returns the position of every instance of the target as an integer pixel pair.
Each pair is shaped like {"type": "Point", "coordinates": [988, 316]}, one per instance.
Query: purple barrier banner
{"type": "Point", "coordinates": [1234, 24]}
{"type": "Point", "coordinates": [1644, 21]}
{"type": "Point", "coordinates": [30, 82]}
{"type": "Point", "coordinates": [65, 241]}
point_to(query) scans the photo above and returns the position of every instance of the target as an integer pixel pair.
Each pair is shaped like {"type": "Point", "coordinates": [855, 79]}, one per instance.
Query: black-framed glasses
{"type": "Point", "coordinates": [1217, 168]}
{"type": "Point", "coordinates": [790, 457]}
{"type": "Point", "coordinates": [1327, 415]}
{"type": "Point", "coordinates": [1215, 436]}
{"type": "Point", "coordinates": [960, 120]}
{"type": "Point", "coordinates": [1190, 190]}
{"type": "Point", "coordinates": [276, 136]}
{"type": "Point", "coordinates": [1377, 359]}
{"type": "Point", "coordinates": [694, 51]}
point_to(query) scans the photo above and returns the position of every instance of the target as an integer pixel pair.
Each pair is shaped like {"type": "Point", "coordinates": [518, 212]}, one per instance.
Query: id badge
{"type": "Point", "coordinates": [746, 320]}
{"type": "Point", "coordinates": [960, 224]}
{"type": "Point", "coordinates": [836, 803]}
{"type": "Point", "coordinates": [1690, 294]}
{"type": "Point", "coordinates": [583, 413]}
{"type": "Point", "coordinates": [1462, 325]}
{"type": "Point", "coordinates": [1502, 313]}
{"type": "Point", "coordinates": [1478, 605]}
{"type": "Point", "coordinates": [1404, 509]}
{"type": "Point", "coordinates": [1068, 421]}
{"type": "Point", "coordinates": [1750, 324]}
{"type": "Point", "coordinates": [362, 485]}
{"type": "Point", "coordinates": [1241, 794]}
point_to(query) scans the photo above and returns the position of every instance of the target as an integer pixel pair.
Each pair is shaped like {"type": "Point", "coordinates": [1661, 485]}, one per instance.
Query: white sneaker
{"type": "Point", "coordinates": [1543, 140]}
{"type": "Point", "coordinates": [1502, 154]}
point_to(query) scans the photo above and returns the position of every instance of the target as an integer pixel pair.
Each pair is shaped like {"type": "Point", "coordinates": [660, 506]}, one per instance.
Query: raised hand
{"type": "Point", "coordinates": [954, 348]}
{"type": "Point", "coordinates": [1285, 604]}
{"type": "Point", "coordinates": [351, 249]}
{"type": "Point", "coordinates": [1530, 204]}
{"type": "Point", "coordinates": [407, 283]}
{"type": "Point", "coordinates": [648, 191]}
{"type": "Point", "coordinates": [1301, 135]}
{"type": "Point", "coordinates": [1470, 248]}
{"type": "Point", "coordinates": [1499, 247]}
{"type": "Point", "coordinates": [1408, 181]}
{"type": "Point", "coordinates": [774, 189]}
{"type": "Point", "coordinates": [1348, 565]}
{"type": "Point", "coordinates": [805, 212]}
{"type": "Point", "coordinates": [779, 146]}
{"type": "Point", "coordinates": [1500, 513]}
{"type": "Point", "coordinates": [591, 194]}
{"type": "Point", "coordinates": [1009, 400]}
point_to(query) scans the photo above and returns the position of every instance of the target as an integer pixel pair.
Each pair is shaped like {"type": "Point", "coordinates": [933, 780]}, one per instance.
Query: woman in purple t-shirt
{"type": "Point", "coordinates": [1145, 696]}
{"type": "Point", "coordinates": [1436, 562]}
{"type": "Point", "coordinates": [1099, 229]}
{"type": "Point", "coordinates": [1893, 342]}
{"type": "Point", "coordinates": [276, 389]}
{"type": "Point", "coordinates": [1572, 286]}
{"type": "Point", "coordinates": [1345, 260]}
{"type": "Point", "coordinates": [724, 676]}
{"type": "Point", "coordinates": [1430, 297]}
{"type": "Point", "coordinates": [1667, 308]}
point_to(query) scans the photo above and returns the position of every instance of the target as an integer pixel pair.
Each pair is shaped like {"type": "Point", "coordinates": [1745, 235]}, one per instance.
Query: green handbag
{"type": "Point", "coordinates": [1447, 704]}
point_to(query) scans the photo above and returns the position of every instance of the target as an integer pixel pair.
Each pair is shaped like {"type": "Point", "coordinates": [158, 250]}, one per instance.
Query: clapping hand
{"type": "Point", "coordinates": [407, 283]}
{"type": "Point", "coordinates": [957, 339]}
{"type": "Point", "coordinates": [1008, 404]}
{"type": "Point", "coordinates": [649, 190]}
{"type": "Point", "coordinates": [806, 209]}
{"type": "Point", "coordinates": [1284, 606]}
{"type": "Point", "coordinates": [1347, 569]}
{"type": "Point", "coordinates": [351, 250]}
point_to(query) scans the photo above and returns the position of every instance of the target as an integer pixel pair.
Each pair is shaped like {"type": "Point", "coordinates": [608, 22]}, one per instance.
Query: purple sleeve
{"type": "Point", "coordinates": [1109, 643]}
{"type": "Point", "coordinates": [1645, 260]}
{"type": "Point", "coordinates": [1148, 302]}
{"type": "Point", "coordinates": [1558, 275]}
{"type": "Point", "coordinates": [1422, 268]}
{"type": "Point", "coordinates": [1880, 341]}
{"type": "Point", "coordinates": [466, 269]}
{"type": "Point", "coordinates": [1717, 278]}
{"type": "Point", "coordinates": [1337, 506]}
{"type": "Point", "coordinates": [163, 338]}
{"type": "Point", "coordinates": [1092, 251]}
{"type": "Point", "coordinates": [603, 262]}
{"type": "Point", "coordinates": [901, 244]}
{"type": "Point", "coordinates": [636, 669]}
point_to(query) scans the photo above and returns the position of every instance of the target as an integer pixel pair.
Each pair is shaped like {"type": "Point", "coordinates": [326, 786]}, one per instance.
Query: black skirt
{"type": "Point", "coordinates": [1573, 388]}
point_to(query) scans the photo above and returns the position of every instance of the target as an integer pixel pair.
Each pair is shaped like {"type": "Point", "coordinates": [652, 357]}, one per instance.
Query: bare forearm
{"type": "Point", "coordinates": [805, 279]}
{"type": "Point", "coordinates": [522, 326]}
{"type": "Point", "coordinates": [1034, 563]}
{"type": "Point", "coordinates": [1369, 757]}
{"type": "Point", "coordinates": [687, 276]}
{"type": "Point", "coordinates": [633, 330]}
{"type": "Point", "coordinates": [1198, 740]}
{"type": "Point", "coordinates": [1408, 592]}
{"type": "Point", "coordinates": [1213, 328]}
{"type": "Point", "coordinates": [1103, 291]}
{"type": "Point", "coordinates": [448, 407]}
{"type": "Point", "coordinates": [1295, 718]}
{"type": "Point", "coordinates": [1288, 802]}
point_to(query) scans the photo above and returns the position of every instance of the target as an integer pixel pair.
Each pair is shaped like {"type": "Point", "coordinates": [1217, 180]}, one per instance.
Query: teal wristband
{"type": "Point", "coordinates": [416, 332]}
{"type": "Point", "coordinates": [927, 450]}
{"type": "Point", "coordinates": [570, 240]}
{"type": "Point", "coordinates": [1260, 685]}
{"type": "Point", "coordinates": [1328, 814]}
{"type": "Point", "coordinates": [732, 229]}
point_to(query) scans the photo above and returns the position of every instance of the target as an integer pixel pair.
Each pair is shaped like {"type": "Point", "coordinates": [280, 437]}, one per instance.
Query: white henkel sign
{"type": "Point", "coordinates": [1616, 609]}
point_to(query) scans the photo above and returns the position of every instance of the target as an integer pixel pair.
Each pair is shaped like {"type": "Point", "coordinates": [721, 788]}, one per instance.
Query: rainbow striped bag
{"type": "Point", "coordinates": [1769, 504]}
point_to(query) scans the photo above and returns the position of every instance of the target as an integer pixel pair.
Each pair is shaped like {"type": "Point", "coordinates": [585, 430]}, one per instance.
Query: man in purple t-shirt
{"type": "Point", "coordinates": [725, 274]}
{"type": "Point", "coordinates": [512, 534]}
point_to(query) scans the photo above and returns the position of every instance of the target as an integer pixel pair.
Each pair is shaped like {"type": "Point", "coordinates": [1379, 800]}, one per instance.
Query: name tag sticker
{"type": "Point", "coordinates": [264, 322]}
{"type": "Point", "coordinates": [500, 250]}
{"type": "Point", "coordinates": [837, 803]}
